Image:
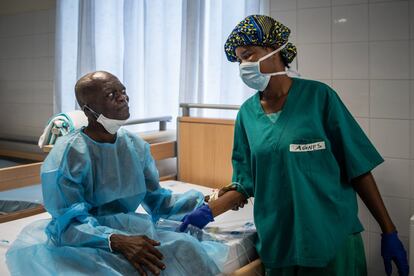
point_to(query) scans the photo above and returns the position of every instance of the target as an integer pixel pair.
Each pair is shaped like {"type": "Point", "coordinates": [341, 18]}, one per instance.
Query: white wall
{"type": "Point", "coordinates": [26, 67]}
{"type": "Point", "coordinates": [365, 51]}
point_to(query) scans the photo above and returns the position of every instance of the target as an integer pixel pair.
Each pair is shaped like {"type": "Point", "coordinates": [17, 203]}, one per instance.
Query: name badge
{"type": "Point", "coordinates": [307, 147]}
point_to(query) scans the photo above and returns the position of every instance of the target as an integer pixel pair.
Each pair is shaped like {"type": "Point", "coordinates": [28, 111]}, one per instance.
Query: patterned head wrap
{"type": "Point", "coordinates": [260, 30]}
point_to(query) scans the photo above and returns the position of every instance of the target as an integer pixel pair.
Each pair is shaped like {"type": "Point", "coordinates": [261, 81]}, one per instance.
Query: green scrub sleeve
{"type": "Point", "coordinates": [241, 160]}
{"type": "Point", "coordinates": [353, 150]}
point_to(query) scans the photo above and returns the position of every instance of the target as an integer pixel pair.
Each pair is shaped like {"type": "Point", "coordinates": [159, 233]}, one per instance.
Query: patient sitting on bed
{"type": "Point", "coordinates": [93, 181]}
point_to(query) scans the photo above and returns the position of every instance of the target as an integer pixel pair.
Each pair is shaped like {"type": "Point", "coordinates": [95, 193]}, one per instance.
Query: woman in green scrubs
{"type": "Point", "coordinates": [302, 156]}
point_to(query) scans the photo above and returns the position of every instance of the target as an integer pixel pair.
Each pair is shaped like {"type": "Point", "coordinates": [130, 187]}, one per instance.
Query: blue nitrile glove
{"type": "Point", "coordinates": [392, 249]}
{"type": "Point", "coordinates": [200, 217]}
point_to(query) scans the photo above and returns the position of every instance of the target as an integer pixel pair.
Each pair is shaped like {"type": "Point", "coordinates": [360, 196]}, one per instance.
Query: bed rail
{"type": "Point", "coordinates": [162, 121]}
{"type": "Point", "coordinates": [187, 106]}
{"type": "Point", "coordinates": [19, 176]}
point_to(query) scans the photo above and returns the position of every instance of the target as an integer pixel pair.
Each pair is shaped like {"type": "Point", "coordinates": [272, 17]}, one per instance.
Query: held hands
{"type": "Point", "coordinates": [200, 217]}
{"type": "Point", "coordinates": [240, 204]}
{"type": "Point", "coordinates": [392, 249]}
{"type": "Point", "coordinates": [218, 193]}
{"type": "Point", "coordinates": [140, 251]}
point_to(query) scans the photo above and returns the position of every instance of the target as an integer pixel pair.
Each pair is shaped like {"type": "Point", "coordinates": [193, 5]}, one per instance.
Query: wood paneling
{"type": "Point", "coordinates": [204, 151]}
{"type": "Point", "coordinates": [19, 176]}
{"type": "Point", "coordinates": [163, 150]}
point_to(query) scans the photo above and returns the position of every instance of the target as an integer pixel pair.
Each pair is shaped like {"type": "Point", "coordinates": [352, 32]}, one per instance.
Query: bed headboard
{"type": "Point", "coordinates": [19, 176]}
{"type": "Point", "coordinates": [205, 147]}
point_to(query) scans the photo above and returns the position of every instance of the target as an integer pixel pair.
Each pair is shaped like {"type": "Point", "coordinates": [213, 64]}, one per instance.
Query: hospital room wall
{"type": "Point", "coordinates": [26, 67]}
{"type": "Point", "coordinates": [364, 49]}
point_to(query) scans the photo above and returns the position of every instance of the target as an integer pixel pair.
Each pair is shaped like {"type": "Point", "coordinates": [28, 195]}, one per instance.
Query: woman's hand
{"type": "Point", "coordinates": [140, 251]}
{"type": "Point", "coordinates": [392, 249]}
{"type": "Point", "coordinates": [239, 204]}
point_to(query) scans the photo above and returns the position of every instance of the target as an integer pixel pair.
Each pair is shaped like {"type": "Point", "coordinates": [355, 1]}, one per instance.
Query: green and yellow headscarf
{"type": "Point", "coordinates": [260, 30]}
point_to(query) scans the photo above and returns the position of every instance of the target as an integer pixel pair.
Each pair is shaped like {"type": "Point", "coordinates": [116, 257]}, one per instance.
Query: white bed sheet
{"type": "Point", "coordinates": [228, 228]}
{"type": "Point", "coordinates": [242, 247]}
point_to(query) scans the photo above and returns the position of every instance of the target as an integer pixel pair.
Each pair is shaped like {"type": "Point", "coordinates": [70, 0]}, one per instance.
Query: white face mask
{"type": "Point", "coordinates": [251, 75]}
{"type": "Point", "coordinates": [110, 125]}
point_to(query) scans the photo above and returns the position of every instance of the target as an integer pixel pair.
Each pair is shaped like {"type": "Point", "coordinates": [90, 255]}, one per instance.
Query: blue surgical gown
{"type": "Point", "coordinates": [92, 190]}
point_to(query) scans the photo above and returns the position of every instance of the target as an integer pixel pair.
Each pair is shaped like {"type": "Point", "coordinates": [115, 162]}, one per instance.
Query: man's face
{"type": "Point", "coordinates": [110, 98]}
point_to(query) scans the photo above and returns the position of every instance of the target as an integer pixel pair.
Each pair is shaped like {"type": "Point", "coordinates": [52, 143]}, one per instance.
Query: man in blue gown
{"type": "Point", "coordinates": [93, 181]}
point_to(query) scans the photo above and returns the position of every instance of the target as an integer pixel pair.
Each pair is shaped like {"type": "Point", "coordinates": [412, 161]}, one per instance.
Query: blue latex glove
{"type": "Point", "coordinates": [392, 249]}
{"type": "Point", "coordinates": [200, 217]}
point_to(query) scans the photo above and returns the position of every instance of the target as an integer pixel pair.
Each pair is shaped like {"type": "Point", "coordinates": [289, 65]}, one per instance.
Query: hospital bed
{"type": "Point", "coordinates": [16, 168]}
{"type": "Point", "coordinates": [203, 151]}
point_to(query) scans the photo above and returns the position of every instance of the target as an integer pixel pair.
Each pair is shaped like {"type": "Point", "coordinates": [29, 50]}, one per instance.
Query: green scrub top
{"type": "Point", "coordinates": [299, 171]}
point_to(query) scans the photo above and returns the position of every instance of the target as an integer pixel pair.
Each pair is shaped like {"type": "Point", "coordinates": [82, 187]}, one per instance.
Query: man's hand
{"type": "Point", "coordinates": [200, 217]}
{"type": "Point", "coordinates": [140, 251]}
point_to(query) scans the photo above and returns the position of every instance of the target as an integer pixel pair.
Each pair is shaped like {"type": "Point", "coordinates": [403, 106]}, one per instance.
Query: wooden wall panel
{"type": "Point", "coordinates": [163, 150]}
{"type": "Point", "coordinates": [19, 176]}
{"type": "Point", "coordinates": [204, 151]}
